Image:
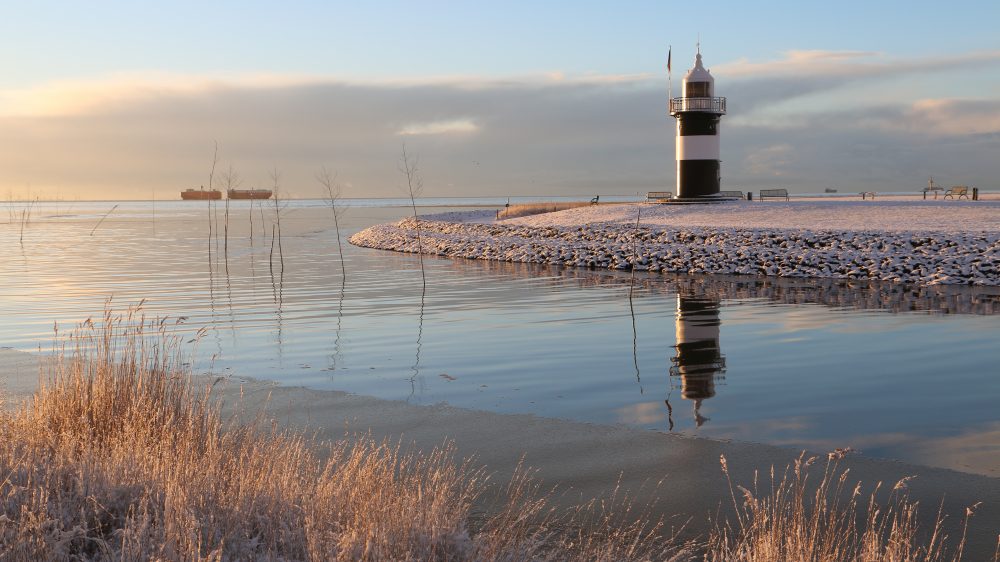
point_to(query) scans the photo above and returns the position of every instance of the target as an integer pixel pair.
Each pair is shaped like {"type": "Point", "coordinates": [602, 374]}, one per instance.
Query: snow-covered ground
{"type": "Point", "coordinates": [911, 241]}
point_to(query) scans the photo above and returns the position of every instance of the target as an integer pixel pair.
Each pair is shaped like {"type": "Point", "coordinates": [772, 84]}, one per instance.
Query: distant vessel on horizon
{"type": "Point", "coordinates": [249, 193]}
{"type": "Point", "coordinates": [201, 194]}
{"type": "Point", "coordinates": [830, 190]}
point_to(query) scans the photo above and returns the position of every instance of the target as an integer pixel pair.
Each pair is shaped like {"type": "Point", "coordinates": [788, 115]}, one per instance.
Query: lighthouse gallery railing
{"type": "Point", "coordinates": [708, 105]}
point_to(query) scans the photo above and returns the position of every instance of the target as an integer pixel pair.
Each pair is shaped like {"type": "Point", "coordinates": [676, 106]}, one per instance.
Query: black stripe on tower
{"type": "Point", "coordinates": [698, 124]}
{"type": "Point", "coordinates": [698, 178]}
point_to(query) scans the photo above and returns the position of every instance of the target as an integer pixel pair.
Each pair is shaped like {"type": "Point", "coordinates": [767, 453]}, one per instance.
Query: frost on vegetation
{"type": "Point", "coordinates": [935, 257]}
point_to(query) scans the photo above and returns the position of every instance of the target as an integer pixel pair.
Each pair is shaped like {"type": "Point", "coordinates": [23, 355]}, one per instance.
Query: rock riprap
{"type": "Point", "coordinates": [971, 258]}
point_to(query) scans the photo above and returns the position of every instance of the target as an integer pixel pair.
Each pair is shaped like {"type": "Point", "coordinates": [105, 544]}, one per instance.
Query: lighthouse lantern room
{"type": "Point", "coordinates": [698, 112]}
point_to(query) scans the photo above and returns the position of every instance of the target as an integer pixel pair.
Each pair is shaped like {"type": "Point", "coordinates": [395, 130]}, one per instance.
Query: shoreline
{"type": "Point", "coordinates": [583, 460]}
{"type": "Point", "coordinates": [920, 243]}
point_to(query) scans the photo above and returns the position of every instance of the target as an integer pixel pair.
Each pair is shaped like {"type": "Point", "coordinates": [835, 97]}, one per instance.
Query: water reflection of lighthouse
{"type": "Point", "coordinates": [699, 361]}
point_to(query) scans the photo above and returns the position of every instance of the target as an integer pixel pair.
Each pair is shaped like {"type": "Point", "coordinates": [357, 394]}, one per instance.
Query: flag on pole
{"type": "Point", "coordinates": [669, 52]}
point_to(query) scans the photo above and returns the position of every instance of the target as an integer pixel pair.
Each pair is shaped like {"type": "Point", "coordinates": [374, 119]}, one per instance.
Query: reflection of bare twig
{"type": "Point", "coordinates": [414, 185]}
{"type": "Point", "coordinates": [631, 307]}
{"type": "Point", "coordinates": [333, 192]}
{"type": "Point", "coordinates": [340, 317]}
{"type": "Point", "coordinates": [420, 332]}
{"type": "Point", "coordinates": [277, 292]}
{"type": "Point", "coordinates": [102, 219]}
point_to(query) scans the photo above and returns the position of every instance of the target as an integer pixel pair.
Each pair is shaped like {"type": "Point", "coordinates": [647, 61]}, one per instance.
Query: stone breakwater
{"type": "Point", "coordinates": [925, 258]}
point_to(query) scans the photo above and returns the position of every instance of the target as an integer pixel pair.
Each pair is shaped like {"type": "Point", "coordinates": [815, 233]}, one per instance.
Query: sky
{"type": "Point", "coordinates": [127, 100]}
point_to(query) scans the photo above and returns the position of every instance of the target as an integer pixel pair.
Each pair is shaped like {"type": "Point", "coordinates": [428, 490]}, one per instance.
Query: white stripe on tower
{"type": "Point", "coordinates": [701, 147]}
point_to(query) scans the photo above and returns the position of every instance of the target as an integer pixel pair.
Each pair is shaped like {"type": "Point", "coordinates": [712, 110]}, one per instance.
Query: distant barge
{"type": "Point", "coordinates": [213, 194]}
{"type": "Point", "coordinates": [201, 194]}
{"type": "Point", "coordinates": [249, 193]}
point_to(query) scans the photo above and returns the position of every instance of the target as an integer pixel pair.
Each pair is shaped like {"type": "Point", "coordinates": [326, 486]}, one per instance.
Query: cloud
{"type": "Point", "coordinates": [513, 136]}
{"type": "Point", "coordinates": [531, 135]}
{"type": "Point", "coordinates": [452, 126]}
{"type": "Point", "coordinates": [769, 159]}
{"type": "Point", "coordinates": [81, 97]}
{"type": "Point", "coordinates": [850, 64]}
{"type": "Point", "coordinates": [954, 116]}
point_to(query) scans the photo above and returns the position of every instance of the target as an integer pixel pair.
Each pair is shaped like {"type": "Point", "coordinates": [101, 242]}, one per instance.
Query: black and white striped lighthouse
{"type": "Point", "coordinates": [698, 112]}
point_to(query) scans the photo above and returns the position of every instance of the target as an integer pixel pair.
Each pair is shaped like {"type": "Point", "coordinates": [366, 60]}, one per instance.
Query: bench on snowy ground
{"type": "Point", "coordinates": [959, 191]}
{"type": "Point", "coordinates": [659, 196]}
{"type": "Point", "coordinates": [734, 194]}
{"type": "Point", "coordinates": [774, 193]}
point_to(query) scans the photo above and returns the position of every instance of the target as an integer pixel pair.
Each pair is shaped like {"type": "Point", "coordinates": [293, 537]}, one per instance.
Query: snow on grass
{"type": "Point", "coordinates": [889, 215]}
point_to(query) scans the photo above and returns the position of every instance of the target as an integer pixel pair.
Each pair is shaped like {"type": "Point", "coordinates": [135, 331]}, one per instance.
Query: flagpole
{"type": "Point", "coordinates": [670, 80]}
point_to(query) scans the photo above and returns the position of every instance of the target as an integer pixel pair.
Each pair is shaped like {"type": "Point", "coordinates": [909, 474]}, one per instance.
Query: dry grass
{"type": "Point", "coordinates": [525, 210]}
{"type": "Point", "coordinates": [824, 522]}
{"type": "Point", "coordinates": [119, 457]}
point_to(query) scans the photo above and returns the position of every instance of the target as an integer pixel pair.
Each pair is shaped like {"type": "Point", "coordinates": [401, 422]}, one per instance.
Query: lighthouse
{"type": "Point", "coordinates": [698, 112]}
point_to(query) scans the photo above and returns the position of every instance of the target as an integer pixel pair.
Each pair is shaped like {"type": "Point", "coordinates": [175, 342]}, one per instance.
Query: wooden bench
{"type": "Point", "coordinates": [867, 194]}
{"type": "Point", "coordinates": [732, 194]}
{"type": "Point", "coordinates": [959, 191]}
{"type": "Point", "coordinates": [659, 196]}
{"type": "Point", "coordinates": [773, 193]}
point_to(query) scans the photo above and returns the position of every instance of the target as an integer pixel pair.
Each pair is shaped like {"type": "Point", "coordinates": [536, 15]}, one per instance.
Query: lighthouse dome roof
{"type": "Point", "coordinates": [699, 73]}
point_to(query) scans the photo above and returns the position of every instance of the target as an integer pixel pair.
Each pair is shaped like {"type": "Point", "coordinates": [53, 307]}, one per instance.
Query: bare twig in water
{"type": "Point", "coordinates": [415, 185]}
{"type": "Point", "coordinates": [270, 255]}
{"type": "Point", "coordinates": [276, 188]}
{"type": "Point", "coordinates": [102, 219]}
{"type": "Point", "coordinates": [333, 189]}
{"type": "Point", "coordinates": [251, 225]}
{"type": "Point", "coordinates": [230, 180]}
{"type": "Point", "coordinates": [26, 217]}
{"type": "Point", "coordinates": [211, 178]}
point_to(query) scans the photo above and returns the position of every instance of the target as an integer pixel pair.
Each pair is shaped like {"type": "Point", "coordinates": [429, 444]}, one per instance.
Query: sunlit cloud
{"type": "Point", "coordinates": [955, 116]}
{"type": "Point", "coordinates": [849, 64]}
{"type": "Point", "coordinates": [449, 127]}
{"type": "Point", "coordinates": [931, 118]}
{"type": "Point", "coordinates": [75, 97]}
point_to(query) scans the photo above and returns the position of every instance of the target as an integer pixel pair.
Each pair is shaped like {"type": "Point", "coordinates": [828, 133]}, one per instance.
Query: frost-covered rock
{"type": "Point", "coordinates": [906, 256]}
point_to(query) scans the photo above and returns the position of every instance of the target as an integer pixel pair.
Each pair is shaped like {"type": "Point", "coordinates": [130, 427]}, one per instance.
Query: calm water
{"type": "Point", "coordinates": [912, 374]}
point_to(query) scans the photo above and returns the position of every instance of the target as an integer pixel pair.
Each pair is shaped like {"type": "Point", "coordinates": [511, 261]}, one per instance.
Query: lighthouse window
{"type": "Point", "coordinates": [696, 90]}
